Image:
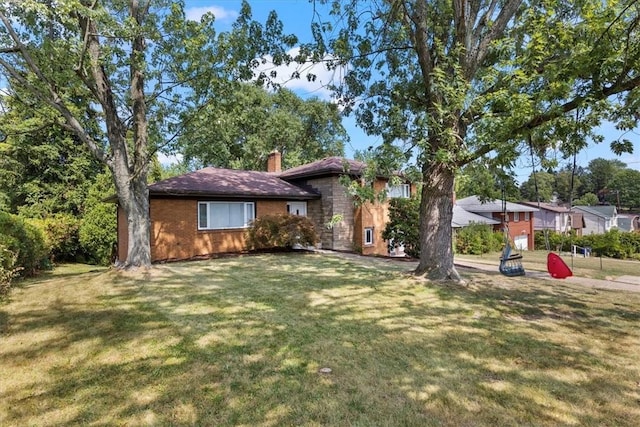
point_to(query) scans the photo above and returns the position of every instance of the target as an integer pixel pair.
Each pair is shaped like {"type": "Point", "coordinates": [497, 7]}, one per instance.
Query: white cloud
{"type": "Point", "coordinates": [3, 92]}
{"type": "Point", "coordinates": [302, 85]}
{"type": "Point", "coordinates": [169, 159]}
{"type": "Point", "coordinates": [221, 14]}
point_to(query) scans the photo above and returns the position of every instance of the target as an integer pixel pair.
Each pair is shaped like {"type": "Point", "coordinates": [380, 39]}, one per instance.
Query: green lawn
{"type": "Point", "coordinates": [240, 341]}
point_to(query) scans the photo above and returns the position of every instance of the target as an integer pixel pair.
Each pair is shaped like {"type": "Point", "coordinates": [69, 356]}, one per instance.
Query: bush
{"type": "Point", "coordinates": [98, 227]}
{"type": "Point", "coordinates": [557, 241]}
{"type": "Point", "coordinates": [403, 227]}
{"type": "Point", "coordinates": [61, 236]}
{"type": "Point", "coordinates": [476, 239]}
{"type": "Point", "coordinates": [8, 268]}
{"type": "Point", "coordinates": [613, 244]}
{"type": "Point", "coordinates": [25, 242]}
{"type": "Point", "coordinates": [281, 231]}
{"type": "Point", "coordinates": [98, 234]}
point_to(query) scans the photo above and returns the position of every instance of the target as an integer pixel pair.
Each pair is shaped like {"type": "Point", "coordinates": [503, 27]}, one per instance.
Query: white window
{"type": "Point", "coordinates": [368, 236]}
{"type": "Point", "coordinates": [297, 208]}
{"type": "Point", "coordinates": [221, 215]}
{"type": "Point", "coordinates": [526, 216]}
{"type": "Point", "coordinates": [402, 191]}
{"type": "Point", "coordinates": [516, 216]}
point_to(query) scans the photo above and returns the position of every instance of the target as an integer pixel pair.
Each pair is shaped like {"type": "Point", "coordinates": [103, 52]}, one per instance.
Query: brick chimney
{"type": "Point", "coordinates": [274, 161]}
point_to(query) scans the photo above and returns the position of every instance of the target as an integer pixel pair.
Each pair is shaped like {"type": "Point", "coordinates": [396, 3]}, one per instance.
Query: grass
{"type": "Point", "coordinates": [592, 267]}
{"type": "Point", "coordinates": [240, 341]}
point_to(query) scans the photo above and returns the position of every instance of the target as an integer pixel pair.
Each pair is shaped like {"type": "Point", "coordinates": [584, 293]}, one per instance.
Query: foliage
{"type": "Point", "coordinates": [60, 232]}
{"type": "Point", "coordinates": [403, 225]}
{"type": "Point", "coordinates": [45, 169]}
{"type": "Point", "coordinates": [253, 122]}
{"type": "Point", "coordinates": [614, 244]}
{"type": "Point", "coordinates": [557, 241]}
{"type": "Point", "coordinates": [544, 181]}
{"type": "Point", "coordinates": [8, 268]}
{"type": "Point", "coordinates": [587, 199]}
{"type": "Point", "coordinates": [478, 179]}
{"type": "Point", "coordinates": [477, 239]}
{"type": "Point", "coordinates": [625, 189]}
{"type": "Point", "coordinates": [567, 185]}
{"type": "Point", "coordinates": [601, 174]}
{"type": "Point", "coordinates": [335, 219]}
{"type": "Point", "coordinates": [281, 231]}
{"type": "Point", "coordinates": [450, 83]}
{"type": "Point", "coordinates": [24, 242]}
{"type": "Point", "coordinates": [98, 232]}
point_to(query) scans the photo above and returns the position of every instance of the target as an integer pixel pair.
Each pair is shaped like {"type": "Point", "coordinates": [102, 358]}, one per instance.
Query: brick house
{"type": "Point", "coordinates": [207, 212]}
{"type": "Point", "coordinates": [519, 218]}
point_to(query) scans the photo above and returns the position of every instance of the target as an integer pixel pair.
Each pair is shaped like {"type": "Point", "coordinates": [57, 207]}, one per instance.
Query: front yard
{"type": "Point", "coordinates": [241, 341]}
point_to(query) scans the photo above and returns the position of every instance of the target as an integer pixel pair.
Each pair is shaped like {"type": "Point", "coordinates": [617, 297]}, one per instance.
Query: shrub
{"type": "Point", "coordinates": [61, 236]}
{"type": "Point", "coordinates": [557, 241]}
{"type": "Point", "coordinates": [25, 242]}
{"type": "Point", "coordinates": [614, 244]}
{"type": "Point", "coordinates": [8, 268]}
{"type": "Point", "coordinates": [476, 239]}
{"type": "Point", "coordinates": [403, 227]}
{"type": "Point", "coordinates": [98, 227]}
{"type": "Point", "coordinates": [98, 234]}
{"type": "Point", "coordinates": [281, 231]}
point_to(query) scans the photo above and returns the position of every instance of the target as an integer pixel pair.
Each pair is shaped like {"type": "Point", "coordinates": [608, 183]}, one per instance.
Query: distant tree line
{"type": "Point", "coordinates": [603, 181]}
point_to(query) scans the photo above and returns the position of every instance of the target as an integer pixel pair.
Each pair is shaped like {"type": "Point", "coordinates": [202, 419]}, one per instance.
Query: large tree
{"type": "Point", "coordinates": [601, 174]}
{"type": "Point", "coordinates": [459, 80]}
{"type": "Point", "coordinates": [539, 187]}
{"type": "Point", "coordinates": [44, 168]}
{"type": "Point", "coordinates": [624, 189]}
{"type": "Point", "coordinates": [253, 122]}
{"type": "Point", "coordinates": [114, 71]}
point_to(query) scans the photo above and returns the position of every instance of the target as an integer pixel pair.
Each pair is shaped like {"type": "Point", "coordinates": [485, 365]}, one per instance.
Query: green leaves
{"type": "Point", "coordinates": [250, 122]}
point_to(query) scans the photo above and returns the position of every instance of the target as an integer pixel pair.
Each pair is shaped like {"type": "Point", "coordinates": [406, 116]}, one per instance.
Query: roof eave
{"type": "Point", "coordinates": [235, 196]}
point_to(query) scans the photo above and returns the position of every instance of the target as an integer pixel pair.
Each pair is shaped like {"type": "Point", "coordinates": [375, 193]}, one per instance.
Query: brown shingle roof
{"type": "Point", "coordinates": [326, 166]}
{"type": "Point", "coordinates": [547, 206]}
{"type": "Point", "coordinates": [229, 183]}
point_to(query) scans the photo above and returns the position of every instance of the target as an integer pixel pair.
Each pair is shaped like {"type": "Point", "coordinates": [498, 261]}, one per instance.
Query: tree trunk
{"type": "Point", "coordinates": [133, 196]}
{"type": "Point", "coordinates": [436, 213]}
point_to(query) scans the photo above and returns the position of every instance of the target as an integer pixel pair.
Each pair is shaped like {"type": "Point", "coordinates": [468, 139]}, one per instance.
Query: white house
{"type": "Point", "coordinates": [598, 219]}
{"type": "Point", "coordinates": [551, 217]}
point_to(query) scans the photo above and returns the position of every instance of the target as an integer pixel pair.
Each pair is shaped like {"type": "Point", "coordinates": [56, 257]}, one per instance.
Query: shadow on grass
{"type": "Point", "coordinates": [241, 341]}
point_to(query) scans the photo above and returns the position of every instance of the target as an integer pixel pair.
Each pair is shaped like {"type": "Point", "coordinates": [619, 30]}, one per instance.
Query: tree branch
{"type": "Point", "coordinates": [53, 100]}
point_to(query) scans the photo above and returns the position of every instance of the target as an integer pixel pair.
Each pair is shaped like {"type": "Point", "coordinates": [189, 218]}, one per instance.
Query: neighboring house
{"type": "Point", "coordinates": [550, 217]}
{"type": "Point", "coordinates": [598, 219]}
{"type": "Point", "coordinates": [519, 218]}
{"type": "Point", "coordinates": [629, 222]}
{"type": "Point", "coordinates": [556, 218]}
{"type": "Point", "coordinates": [207, 212]}
{"type": "Point", "coordinates": [464, 218]}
